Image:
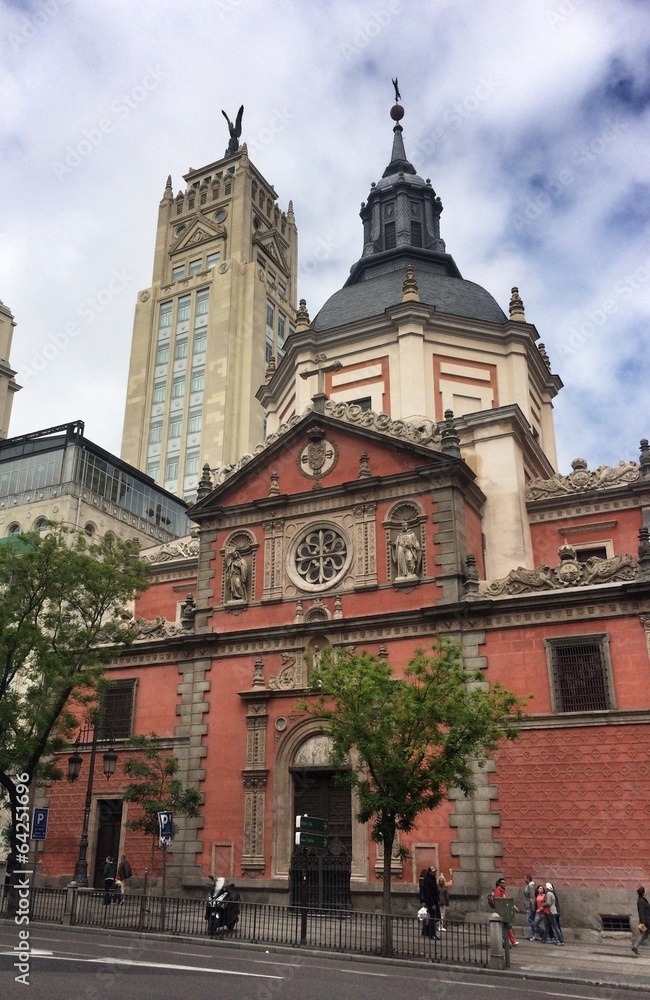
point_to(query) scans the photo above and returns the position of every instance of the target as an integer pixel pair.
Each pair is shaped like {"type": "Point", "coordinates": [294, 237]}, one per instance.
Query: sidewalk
{"type": "Point", "coordinates": [609, 962]}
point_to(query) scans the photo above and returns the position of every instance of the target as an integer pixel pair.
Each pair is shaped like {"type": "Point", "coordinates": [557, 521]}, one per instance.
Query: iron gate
{"type": "Point", "coordinates": [326, 881]}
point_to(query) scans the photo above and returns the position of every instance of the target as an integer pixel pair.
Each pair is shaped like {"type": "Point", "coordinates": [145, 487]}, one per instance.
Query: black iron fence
{"type": "Point", "coordinates": [268, 923]}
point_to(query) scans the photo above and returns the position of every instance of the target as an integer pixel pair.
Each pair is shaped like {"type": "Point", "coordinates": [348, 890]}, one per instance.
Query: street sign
{"type": "Point", "coordinates": [311, 823]}
{"type": "Point", "coordinates": [166, 828]}
{"type": "Point", "coordinates": [310, 840]}
{"type": "Point", "coordinates": [39, 824]}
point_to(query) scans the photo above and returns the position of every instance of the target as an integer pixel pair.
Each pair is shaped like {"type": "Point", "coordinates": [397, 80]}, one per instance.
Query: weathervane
{"type": "Point", "coordinates": [235, 131]}
{"type": "Point", "coordinates": [398, 96]}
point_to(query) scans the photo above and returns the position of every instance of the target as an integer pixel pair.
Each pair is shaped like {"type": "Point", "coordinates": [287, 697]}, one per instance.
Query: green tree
{"type": "Point", "coordinates": [62, 600]}
{"type": "Point", "coordinates": [155, 788]}
{"type": "Point", "coordinates": [414, 738]}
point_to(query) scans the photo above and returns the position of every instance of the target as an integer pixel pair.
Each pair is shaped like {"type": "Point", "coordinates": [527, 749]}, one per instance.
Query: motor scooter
{"type": "Point", "coordinates": [222, 907]}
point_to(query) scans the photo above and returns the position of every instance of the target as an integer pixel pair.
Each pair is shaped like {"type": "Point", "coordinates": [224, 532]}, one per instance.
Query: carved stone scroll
{"type": "Point", "coordinates": [581, 480]}
{"type": "Point", "coordinates": [569, 573]}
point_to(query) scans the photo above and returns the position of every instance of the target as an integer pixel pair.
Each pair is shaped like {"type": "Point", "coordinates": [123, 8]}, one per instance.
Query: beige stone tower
{"type": "Point", "coordinates": [8, 384]}
{"type": "Point", "coordinates": [220, 305]}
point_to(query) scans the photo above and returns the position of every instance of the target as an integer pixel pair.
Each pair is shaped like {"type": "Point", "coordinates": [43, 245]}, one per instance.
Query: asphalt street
{"type": "Point", "coordinates": [72, 964]}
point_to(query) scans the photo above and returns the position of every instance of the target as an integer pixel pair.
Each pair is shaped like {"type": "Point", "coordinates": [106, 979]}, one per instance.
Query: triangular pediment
{"type": "Point", "coordinates": [273, 246]}
{"type": "Point", "coordinates": [307, 442]}
{"type": "Point", "coordinates": [199, 231]}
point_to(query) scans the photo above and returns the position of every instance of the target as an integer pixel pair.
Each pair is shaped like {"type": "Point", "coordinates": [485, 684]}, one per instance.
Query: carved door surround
{"type": "Point", "coordinates": [305, 744]}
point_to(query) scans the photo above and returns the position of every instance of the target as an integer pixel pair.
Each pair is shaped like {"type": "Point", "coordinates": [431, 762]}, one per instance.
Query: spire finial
{"type": "Point", "coordinates": [516, 306]}
{"type": "Point", "coordinates": [302, 317]}
{"type": "Point", "coordinates": [205, 483]}
{"type": "Point", "coordinates": [450, 443]}
{"type": "Point", "coordinates": [410, 291]}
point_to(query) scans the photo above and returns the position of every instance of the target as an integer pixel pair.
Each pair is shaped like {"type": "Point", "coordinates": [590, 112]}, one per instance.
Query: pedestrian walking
{"type": "Point", "coordinates": [550, 916]}
{"type": "Point", "coordinates": [501, 893]}
{"type": "Point", "coordinates": [643, 909]}
{"type": "Point", "coordinates": [530, 892]}
{"type": "Point", "coordinates": [109, 878]}
{"type": "Point", "coordinates": [443, 893]}
{"type": "Point", "coordinates": [432, 902]}
{"type": "Point", "coordinates": [124, 872]}
{"type": "Point", "coordinates": [541, 909]}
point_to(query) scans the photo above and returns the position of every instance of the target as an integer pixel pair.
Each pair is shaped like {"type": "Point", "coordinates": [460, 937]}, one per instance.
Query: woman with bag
{"type": "Point", "coordinates": [431, 899]}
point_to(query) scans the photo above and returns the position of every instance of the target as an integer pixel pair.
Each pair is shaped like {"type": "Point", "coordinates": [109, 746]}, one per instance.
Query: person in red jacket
{"type": "Point", "coordinates": [500, 893]}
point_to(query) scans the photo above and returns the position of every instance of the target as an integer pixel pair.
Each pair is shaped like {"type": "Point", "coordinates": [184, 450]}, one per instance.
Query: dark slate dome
{"type": "Point", "coordinates": [401, 226]}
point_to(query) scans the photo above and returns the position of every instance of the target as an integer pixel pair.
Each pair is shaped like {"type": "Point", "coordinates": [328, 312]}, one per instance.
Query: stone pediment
{"type": "Point", "coordinates": [568, 573]}
{"type": "Point", "coordinates": [271, 243]}
{"type": "Point", "coordinates": [200, 231]}
{"type": "Point", "coordinates": [180, 548]}
{"type": "Point", "coordinates": [581, 480]}
{"type": "Point", "coordinates": [425, 434]}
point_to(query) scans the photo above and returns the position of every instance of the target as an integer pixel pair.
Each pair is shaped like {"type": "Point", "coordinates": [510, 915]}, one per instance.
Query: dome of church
{"type": "Point", "coordinates": [401, 222]}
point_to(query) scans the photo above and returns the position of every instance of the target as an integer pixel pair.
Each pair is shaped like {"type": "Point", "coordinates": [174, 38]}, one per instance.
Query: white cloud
{"type": "Point", "coordinates": [507, 110]}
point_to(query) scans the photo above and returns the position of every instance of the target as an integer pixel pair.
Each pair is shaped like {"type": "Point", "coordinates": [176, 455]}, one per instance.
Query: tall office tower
{"type": "Point", "coordinates": [8, 384]}
{"type": "Point", "coordinates": [220, 305]}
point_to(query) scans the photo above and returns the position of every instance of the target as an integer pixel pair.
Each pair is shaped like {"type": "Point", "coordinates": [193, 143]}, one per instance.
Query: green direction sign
{"type": "Point", "coordinates": [310, 839]}
{"type": "Point", "coordinates": [311, 824]}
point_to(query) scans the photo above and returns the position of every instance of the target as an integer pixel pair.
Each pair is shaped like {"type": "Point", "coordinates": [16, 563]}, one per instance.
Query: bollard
{"type": "Point", "coordinates": [70, 908]}
{"type": "Point", "coordinates": [497, 950]}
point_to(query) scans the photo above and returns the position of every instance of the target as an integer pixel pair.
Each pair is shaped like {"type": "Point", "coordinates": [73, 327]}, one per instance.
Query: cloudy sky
{"type": "Point", "coordinates": [530, 119]}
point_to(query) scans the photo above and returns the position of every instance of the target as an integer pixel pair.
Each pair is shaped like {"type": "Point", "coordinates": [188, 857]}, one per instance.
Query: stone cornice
{"type": "Point", "coordinates": [572, 720]}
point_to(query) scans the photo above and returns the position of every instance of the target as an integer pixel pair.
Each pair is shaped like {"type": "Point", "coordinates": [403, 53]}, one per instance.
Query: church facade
{"type": "Point", "coordinates": [407, 487]}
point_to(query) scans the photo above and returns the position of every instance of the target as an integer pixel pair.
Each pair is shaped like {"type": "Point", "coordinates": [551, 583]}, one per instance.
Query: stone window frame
{"type": "Point", "coordinates": [299, 537]}
{"type": "Point", "coordinates": [602, 640]}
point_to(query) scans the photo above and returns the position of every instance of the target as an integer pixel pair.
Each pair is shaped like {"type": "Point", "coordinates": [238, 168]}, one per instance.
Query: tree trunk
{"type": "Point", "coordinates": [388, 839]}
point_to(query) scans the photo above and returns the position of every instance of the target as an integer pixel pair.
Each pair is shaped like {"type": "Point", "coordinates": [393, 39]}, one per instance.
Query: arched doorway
{"type": "Point", "coordinates": [303, 783]}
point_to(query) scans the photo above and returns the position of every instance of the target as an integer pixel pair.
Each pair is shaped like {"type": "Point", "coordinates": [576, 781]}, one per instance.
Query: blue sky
{"type": "Point", "coordinates": [530, 119]}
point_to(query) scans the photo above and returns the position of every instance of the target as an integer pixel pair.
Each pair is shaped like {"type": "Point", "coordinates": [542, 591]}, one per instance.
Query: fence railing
{"type": "Point", "coordinates": [269, 923]}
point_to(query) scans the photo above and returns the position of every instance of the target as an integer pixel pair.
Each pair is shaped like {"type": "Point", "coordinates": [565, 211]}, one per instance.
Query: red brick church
{"type": "Point", "coordinates": [406, 486]}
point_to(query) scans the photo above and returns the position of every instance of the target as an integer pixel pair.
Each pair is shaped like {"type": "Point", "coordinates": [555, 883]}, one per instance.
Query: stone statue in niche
{"type": "Point", "coordinates": [407, 553]}
{"type": "Point", "coordinates": [236, 577]}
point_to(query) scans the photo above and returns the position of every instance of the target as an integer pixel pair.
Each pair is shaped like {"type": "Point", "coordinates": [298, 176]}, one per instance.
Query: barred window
{"type": "Point", "coordinates": [116, 705]}
{"type": "Point", "coordinates": [580, 673]}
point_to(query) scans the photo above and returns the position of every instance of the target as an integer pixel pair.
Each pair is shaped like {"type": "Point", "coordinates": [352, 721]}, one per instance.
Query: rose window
{"type": "Point", "coordinates": [320, 557]}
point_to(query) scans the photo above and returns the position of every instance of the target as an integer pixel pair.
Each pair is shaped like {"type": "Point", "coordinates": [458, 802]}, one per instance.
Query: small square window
{"type": "Point", "coordinates": [171, 468]}
{"type": "Point", "coordinates": [213, 259]}
{"type": "Point", "coordinates": [580, 673]}
{"type": "Point", "coordinates": [196, 266]}
{"type": "Point", "coordinates": [162, 354]}
{"type": "Point", "coordinates": [178, 272]}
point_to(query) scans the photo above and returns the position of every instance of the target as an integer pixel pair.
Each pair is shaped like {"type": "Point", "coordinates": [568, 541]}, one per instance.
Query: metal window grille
{"type": "Point", "coordinates": [116, 708]}
{"type": "Point", "coordinates": [615, 922]}
{"type": "Point", "coordinates": [580, 676]}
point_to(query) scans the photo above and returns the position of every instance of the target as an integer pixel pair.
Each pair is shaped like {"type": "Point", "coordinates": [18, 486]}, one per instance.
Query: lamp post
{"type": "Point", "coordinates": [85, 740]}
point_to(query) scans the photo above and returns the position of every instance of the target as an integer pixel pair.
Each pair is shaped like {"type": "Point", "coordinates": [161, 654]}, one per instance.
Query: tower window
{"type": "Point", "coordinates": [198, 379]}
{"type": "Point", "coordinates": [200, 341]}
{"type": "Point", "coordinates": [155, 432]}
{"type": "Point", "coordinates": [390, 241]}
{"type": "Point", "coordinates": [175, 423]}
{"type": "Point", "coordinates": [213, 259]}
{"type": "Point", "coordinates": [416, 234]}
{"type": "Point", "coordinates": [116, 706]}
{"type": "Point", "coordinates": [178, 387]}
{"type": "Point", "coordinates": [194, 422]}
{"type": "Point", "coordinates": [165, 315]}
{"type": "Point", "coordinates": [183, 309]}
{"type": "Point", "coordinates": [159, 389]}
{"type": "Point", "coordinates": [171, 468]}
{"type": "Point", "coordinates": [203, 302]}
{"type": "Point", "coordinates": [192, 463]}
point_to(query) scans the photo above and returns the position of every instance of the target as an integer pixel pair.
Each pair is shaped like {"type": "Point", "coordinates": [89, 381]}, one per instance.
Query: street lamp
{"type": "Point", "coordinates": [85, 740]}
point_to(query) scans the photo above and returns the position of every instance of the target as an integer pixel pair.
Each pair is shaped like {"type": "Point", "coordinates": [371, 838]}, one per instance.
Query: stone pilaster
{"type": "Point", "coordinates": [190, 751]}
{"type": "Point", "coordinates": [255, 777]}
{"type": "Point", "coordinates": [365, 570]}
{"type": "Point", "coordinates": [450, 541]}
{"type": "Point", "coordinates": [273, 561]}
